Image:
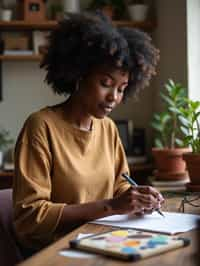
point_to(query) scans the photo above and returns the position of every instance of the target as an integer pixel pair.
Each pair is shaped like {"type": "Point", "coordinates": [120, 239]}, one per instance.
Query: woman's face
{"type": "Point", "coordinates": [103, 90]}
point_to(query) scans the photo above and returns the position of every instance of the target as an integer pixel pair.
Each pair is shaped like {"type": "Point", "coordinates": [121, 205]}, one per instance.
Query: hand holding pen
{"type": "Point", "coordinates": [133, 183]}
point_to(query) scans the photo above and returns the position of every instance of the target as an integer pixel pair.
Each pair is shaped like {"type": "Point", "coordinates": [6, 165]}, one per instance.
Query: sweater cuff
{"type": "Point", "coordinates": [122, 189]}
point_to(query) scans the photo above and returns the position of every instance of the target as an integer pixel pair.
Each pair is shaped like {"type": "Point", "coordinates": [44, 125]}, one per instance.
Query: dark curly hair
{"type": "Point", "coordinates": [82, 42]}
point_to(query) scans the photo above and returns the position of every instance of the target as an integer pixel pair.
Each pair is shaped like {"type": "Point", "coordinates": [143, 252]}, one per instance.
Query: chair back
{"type": "Point", "coordinates": [10, 253]}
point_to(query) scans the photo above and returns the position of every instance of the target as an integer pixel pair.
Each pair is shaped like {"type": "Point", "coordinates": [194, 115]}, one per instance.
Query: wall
{"type": "Point", "coordinates": [170, 37]}
{"type": "Point", "coordinates": [23, 93]}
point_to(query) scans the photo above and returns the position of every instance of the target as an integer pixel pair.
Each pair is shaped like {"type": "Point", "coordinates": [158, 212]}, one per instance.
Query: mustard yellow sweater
{"type": "Point", "coordinates": [57, 164]}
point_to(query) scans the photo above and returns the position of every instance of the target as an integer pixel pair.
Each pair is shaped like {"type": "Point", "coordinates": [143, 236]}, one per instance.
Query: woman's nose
{"type": "Point", "coordinates": [113, 95]}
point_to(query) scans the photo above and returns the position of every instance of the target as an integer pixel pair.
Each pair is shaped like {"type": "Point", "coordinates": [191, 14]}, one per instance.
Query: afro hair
{"type": "Point", "coordinates": [82, 42]}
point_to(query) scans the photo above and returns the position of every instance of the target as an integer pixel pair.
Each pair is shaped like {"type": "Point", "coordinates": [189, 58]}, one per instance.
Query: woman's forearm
{"type": "Point", "coordinates": [76, 214]}
{"type": "Point", "coordinates": [135, 199]}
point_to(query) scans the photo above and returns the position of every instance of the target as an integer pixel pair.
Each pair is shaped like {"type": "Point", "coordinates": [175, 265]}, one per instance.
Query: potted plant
{"type": "Point", "coordinates": [138, 10]}
{"type": "Point", "coordinates": [190, 125]}
{"type": "Point", "coordinates": [5, 141]}
{"type": "Point", "coordinates": [112, 8]}
{"type": "Point", "coordinates": [169, 146]}
{"type": "Point", "coordinates": [57, 11]}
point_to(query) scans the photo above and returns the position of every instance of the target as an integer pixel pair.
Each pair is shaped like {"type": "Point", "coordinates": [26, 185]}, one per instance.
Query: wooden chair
{"type": "Point", "coordinates": [10, 252]}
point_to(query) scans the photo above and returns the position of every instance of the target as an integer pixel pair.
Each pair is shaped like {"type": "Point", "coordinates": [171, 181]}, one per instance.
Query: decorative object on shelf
{"type": "Point", "coordinates": [6, 11]}
{"type": "Point", "coordinates": [15, 42]}
{"type": "Point", "coordinates": [138, 10]}
{"type": "Point", "coordinates": [72, 6]}
{"type": "Point", "coordinates": [32, 10]}
{"type": "Point", "coordinates": [190, 125]}
{"type": "Point", "coordinates": [5, 141]}
{"type": "Point", "coordinates": [39, 41]}
{"type": "Point", "coordinates": [6, 14]}
{"type": "Point", "coordinates": [112, 8]}
{"type": "Point", "coordinates": [169, 150]}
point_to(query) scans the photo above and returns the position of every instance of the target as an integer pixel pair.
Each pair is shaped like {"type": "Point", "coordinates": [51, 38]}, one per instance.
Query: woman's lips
{"type": "Point", "coordinates": [107, 108]}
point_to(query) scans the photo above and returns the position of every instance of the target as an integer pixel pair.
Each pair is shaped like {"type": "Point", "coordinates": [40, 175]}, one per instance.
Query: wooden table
{"type": "Point", "coordinates": [187, 256]}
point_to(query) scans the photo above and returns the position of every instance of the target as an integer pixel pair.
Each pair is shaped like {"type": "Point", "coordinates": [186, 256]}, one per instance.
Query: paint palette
{"type": "Point", "coordinates": [129, 244]}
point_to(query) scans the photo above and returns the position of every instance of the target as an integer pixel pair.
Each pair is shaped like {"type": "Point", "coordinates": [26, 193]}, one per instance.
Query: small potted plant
{"type": "Point", "coordinates": [112, 8]}
{"type": "Point", "coordinates": [5, 141]}
{"type": "Point", "coordinates": [57, 11]}
{"type": "Point", "coordinates": [190, 126]}
{"type": "Point", "coordinates": [169, 146]}
{"type": "Point", "coordinates": [138, 10]}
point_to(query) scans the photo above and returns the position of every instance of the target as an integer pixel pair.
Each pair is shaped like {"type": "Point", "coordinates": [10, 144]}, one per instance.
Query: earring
{"type": "Point", "coordinates": [77, 88]}
{"type": "Point", "coordinates": [77, 85]}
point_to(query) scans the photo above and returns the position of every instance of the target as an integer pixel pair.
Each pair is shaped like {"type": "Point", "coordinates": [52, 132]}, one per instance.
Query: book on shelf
{"type": "Point", "coordinates": [136, 159]}
{"type": "Point", "coordinates": [172, 189]}
{"type": "Point", "coordinates": [18, 52]}
{"type": "Point", "coordinates": [164, 183]}
{"type": "Point", "coordinates": [8, 166]}
{"type": "Point", "coordinates": [171, 185]}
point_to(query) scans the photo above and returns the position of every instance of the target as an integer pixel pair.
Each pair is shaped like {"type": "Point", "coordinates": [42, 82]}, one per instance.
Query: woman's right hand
{"type": "Point", "coordinates": [137, 200]}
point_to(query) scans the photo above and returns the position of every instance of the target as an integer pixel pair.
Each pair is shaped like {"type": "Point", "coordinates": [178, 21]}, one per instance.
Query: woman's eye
{"type": "Point", "coordinates": [105, 83]}
{"type": "Point", "coordinates": [122, 89]}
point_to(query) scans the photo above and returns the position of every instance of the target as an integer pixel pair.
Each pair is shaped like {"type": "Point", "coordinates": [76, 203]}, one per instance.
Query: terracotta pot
{"type": "Point", "coordinates": [170, 164]}
{"type": "Point", "coordinates": [193, 166]}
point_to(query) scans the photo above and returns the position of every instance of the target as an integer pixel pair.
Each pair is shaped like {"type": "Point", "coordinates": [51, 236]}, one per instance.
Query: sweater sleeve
{"type": "Point", "coordinates": [121, 166]}
{"type": "Point", "coordinates": [35, 215]}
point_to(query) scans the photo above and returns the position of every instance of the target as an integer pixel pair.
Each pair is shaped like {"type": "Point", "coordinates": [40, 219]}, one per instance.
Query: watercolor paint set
{"type": "Point", "coordinates": [131, 245]}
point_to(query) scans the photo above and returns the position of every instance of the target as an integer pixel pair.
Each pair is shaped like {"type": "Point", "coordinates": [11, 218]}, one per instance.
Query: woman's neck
{"type": "Point", "coordinates": [76, 115]}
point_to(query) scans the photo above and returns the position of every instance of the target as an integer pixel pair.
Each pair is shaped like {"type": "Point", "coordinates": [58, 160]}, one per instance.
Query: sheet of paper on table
{"type": "Point", "coordinates": [172, 223]}
{"type": "Point", "coordinates": [75, 253]}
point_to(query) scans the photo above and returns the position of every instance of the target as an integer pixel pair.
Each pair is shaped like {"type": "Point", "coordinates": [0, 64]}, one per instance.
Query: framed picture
{"type": "Point", "coordinates": [125, 128]}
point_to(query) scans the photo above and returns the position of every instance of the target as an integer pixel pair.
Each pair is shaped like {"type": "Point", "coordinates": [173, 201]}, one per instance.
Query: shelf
{"type": "Point", "coordinates": [6, 173]}
{"type": "Point", "coordinates": [20, 57]}
{"type": "Point", "coordinates": [22, 25]}
{"type": "Point", "coordinates": [146, 25]}
{"type": "Point", "coordinates": [51, 24]}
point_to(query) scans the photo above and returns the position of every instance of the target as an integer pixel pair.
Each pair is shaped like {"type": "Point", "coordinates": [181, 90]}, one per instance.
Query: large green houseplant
{"type": "Point", "coordinates": [190, 126]}
{"type": "Point", "coordinates": [169, 144]}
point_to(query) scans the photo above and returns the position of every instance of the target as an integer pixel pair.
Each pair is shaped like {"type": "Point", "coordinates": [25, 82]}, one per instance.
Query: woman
{"type": "Point", "coordinates": [69, 158]}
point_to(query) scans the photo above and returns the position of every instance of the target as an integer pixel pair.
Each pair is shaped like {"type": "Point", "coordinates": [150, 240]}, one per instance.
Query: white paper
{"type": "Point", "coordinates": [79, 236]}
{"type": "Point", "coordinates": [71, 253]}
{"type": "Point", "coordinates": [172, 223]}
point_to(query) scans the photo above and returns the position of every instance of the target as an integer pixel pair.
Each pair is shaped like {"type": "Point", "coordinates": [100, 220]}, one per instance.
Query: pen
{"type": "Point", "coordinates": [132, 182]}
